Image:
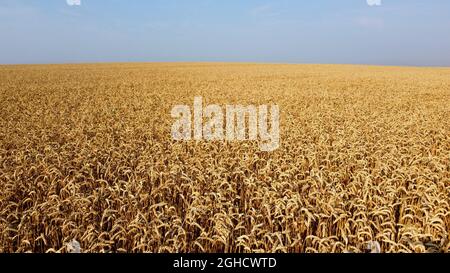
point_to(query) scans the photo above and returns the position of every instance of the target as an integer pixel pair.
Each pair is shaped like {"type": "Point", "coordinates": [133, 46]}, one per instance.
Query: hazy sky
{"type": "Point", "coordinates": [397, 32]}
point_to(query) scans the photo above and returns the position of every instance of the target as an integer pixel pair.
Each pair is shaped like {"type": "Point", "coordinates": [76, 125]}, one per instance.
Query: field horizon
{"type": "Point", "coordinates": [223, 63]}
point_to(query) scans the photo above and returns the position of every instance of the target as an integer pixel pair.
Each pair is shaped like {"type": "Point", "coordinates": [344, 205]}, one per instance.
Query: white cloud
{"type": "Point", "coordinates": [73, 2]}
{"type": "Point", "coordinates": [374, 2]}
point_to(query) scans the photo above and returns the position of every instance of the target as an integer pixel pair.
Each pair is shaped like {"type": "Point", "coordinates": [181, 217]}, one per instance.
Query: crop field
{"type": "Point", "coordinates": [86, 154]}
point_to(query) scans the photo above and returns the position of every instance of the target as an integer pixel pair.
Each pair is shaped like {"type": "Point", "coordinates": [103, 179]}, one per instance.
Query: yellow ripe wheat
{"type": "Point", "coordinates": [87, 162]}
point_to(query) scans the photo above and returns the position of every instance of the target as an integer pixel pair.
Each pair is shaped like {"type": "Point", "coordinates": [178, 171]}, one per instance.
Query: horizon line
{"type": "Point", "coordinates": [221, 62]}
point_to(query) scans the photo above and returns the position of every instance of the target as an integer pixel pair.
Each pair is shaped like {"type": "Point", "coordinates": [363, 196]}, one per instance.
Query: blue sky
{"type": "Point", "coordinates": [399, 32]}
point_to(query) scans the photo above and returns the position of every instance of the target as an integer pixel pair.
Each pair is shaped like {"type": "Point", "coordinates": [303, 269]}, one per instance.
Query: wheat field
{"type": "Point", "coordinates": [86, 154]}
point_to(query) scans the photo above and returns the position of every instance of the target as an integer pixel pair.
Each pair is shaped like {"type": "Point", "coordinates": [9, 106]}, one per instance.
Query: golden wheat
{"type": "Point", "coordinates": [87, 162]}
